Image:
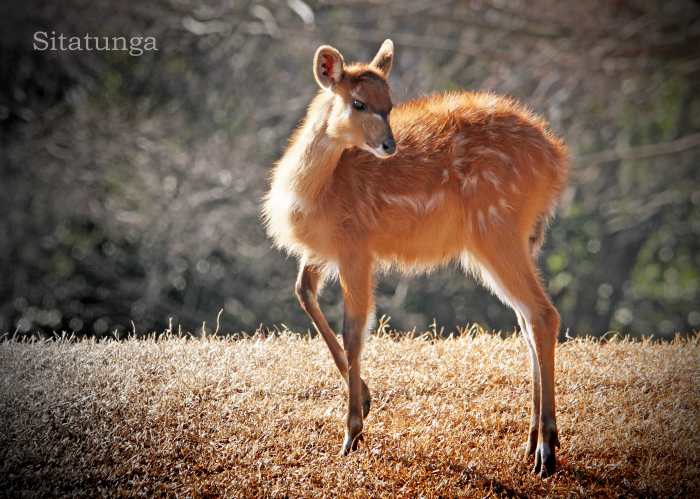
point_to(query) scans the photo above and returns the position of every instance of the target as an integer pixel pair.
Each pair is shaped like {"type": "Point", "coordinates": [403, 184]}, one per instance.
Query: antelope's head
{"type": "Point", "coordinates": [362, 99]}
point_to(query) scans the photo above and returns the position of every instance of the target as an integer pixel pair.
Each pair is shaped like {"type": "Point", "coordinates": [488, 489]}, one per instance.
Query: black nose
{"type": "Point", "coordinates": [389, 146]}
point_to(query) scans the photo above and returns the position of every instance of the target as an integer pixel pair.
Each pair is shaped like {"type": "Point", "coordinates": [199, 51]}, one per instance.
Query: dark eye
{"type": "Point", "coordinates": [360, 106]}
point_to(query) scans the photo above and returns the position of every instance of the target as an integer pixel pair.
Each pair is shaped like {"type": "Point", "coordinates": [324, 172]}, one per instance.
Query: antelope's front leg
{"type": "Point", "coordinates": [357, 301]}
{"type": "Point", "coordinates": [310, 278]}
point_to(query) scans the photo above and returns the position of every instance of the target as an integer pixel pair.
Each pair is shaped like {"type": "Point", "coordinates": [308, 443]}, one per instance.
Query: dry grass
{"type": "Point", "coordinates": [262, 418]}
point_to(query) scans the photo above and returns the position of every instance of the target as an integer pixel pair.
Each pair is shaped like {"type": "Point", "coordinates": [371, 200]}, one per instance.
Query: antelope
{"type": "Point", "coordinates": [465, 177]}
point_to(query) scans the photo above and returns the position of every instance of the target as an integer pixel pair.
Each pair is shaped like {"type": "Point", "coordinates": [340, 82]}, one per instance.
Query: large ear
{"type": "Point", "coordinates": [328, 67]}
{"type": "Point", "coordinates": [382, 61]}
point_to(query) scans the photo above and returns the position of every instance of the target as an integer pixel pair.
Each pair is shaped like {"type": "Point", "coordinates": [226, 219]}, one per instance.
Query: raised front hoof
{"type": "Point", "coordinates": [350, 444]}
{"type": "Point", "coordinates": [545, 461]}
{"type": "Point", "coordinates": [366, 399]}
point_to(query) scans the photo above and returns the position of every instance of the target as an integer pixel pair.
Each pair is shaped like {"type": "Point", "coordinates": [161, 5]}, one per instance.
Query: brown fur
{"type": "Point", "coordinates": [458, 156]}
{"type": "Point", "coordinates": [475, 178]}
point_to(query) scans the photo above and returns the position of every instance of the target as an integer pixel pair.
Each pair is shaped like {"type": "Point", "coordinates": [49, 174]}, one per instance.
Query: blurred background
{"type": "Point", "coordinates": [130, 186]}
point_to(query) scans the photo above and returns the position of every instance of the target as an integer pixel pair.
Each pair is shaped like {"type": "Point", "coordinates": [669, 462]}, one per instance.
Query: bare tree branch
{"type": "Point", "coordinates": [648, 151]}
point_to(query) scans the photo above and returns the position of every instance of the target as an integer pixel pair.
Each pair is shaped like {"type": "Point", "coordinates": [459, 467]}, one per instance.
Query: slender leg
{"type": "Point", "coordinates": [545, 327]}
{"type": "Point", "coordinates": [535, 404]}
{"type": "Point", "coordinates": [510, 272]}
{"type": "Point", "coordinates": [355, 280]}
{"type": "Point", "coordinates": [306, 289]}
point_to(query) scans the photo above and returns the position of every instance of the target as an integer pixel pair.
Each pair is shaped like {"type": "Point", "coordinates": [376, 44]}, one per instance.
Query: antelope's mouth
{"type": "Point", "coordinates": [381, 152]}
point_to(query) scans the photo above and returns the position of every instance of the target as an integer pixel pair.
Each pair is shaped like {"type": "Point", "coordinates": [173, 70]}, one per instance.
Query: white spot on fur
{"type": "Point", "coordinates": [417, 203]}
{"type": "Point", "coordinates": [378, 116]}
{"type": "Point", "coordinates": [506, 159]}
{"type": "Point", "coordinates": [435, 201]}
{"type": "Point", "coordinates": [493, 178]}
{"type": "Point", "coordinates": [445, 175]}
{"type": "Point", "coordinates": [494, 215]}
{"type": "Point", "coordinates": [482, 221]}
{"type": "Point", "coordinates": [488, 151]}
{"type": "Point", "coordinates": [469, 182]}
{"type": "Point", "coordinates": [462, 140]}
{"type": "Point", "coordinates": [407, 201]}
{"type": "Point", "coordinates": [346, 112]}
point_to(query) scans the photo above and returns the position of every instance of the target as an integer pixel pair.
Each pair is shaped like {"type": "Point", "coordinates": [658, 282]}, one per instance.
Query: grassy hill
{"type": "Point", "coordinates": [262, 417]}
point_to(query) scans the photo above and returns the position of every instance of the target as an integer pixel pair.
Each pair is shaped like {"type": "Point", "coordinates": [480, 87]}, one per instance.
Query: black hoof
{"type": "Point", "coordinates": [549, 467]}
{"type": "Point", "coordinates": [544, 465]}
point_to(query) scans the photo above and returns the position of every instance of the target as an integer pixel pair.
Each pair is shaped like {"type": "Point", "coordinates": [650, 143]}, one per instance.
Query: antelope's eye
{"type": "Point", "coordinates": [360, 106]}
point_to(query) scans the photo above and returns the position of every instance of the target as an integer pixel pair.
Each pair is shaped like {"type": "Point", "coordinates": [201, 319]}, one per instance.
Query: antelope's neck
{"type": "Point", "coordinates": [307, 166]}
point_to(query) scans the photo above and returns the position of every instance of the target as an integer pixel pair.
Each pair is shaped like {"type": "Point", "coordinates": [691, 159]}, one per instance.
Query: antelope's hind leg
{"type": "Point", "coordinates": [531, 444]}
{"type": "Point", "coordinates": [543, 326]}
{"type": "Point", "coordinates": [510, 273]}
{"type": "Point", "coordinates": [541, 348]}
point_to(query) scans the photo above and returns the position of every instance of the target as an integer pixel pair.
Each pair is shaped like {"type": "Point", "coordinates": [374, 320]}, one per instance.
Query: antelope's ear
{"type": "Point", "coordinates": [382, 61]}
{"type": "Point", "coordinates": [328, 67]}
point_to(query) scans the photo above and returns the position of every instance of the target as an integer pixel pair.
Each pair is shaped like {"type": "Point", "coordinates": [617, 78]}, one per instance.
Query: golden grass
{"type": "Point", "coordinates": [263, 418]}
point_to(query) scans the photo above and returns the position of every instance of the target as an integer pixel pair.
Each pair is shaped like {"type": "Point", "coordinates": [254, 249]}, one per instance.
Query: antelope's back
{"type": "Point", "coordinates": [468, 165]}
